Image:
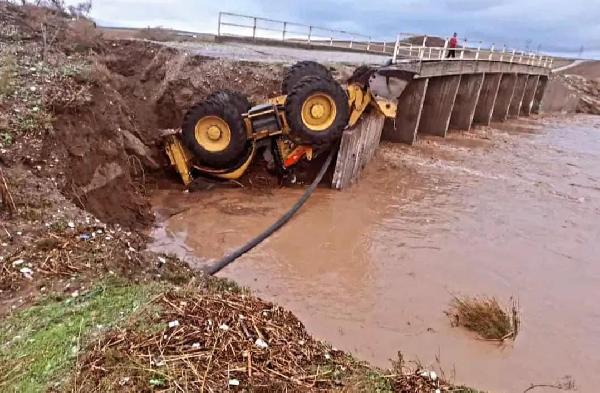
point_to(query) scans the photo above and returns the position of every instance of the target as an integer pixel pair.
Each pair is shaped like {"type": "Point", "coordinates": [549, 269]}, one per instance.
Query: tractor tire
{"type": "Point", "coordinates": [214, 132]}
{"type": "Point", "coordinates": [316, 110]}
{"type": "Point", "coordinates": [299, 71]}
{"type": "Point", "coordinates": [234, 98]}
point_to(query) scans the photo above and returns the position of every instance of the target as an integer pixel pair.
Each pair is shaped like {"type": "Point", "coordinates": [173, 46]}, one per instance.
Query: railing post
{"type": "Point", "coordinates": [521, 57]}
{"type": "Point", "coordinates": [491, 56]}
{"type": "Point", "coordinates": [550, 65]}
{"type": "Point", "coordinates": [351, 40]}
{"type": "Point", "coordinates": [430, 53]}
{"type": "Point", "coordinates": [443, 53]}
{"type": "Point", "coordinates": [219, 27]}
{"type": "Point", "coordinates": [383, 47]}
{"type": "Point", "coordinates": [369, 44]}
{"type": "Point", "coordinates": [395, 55]}
{"type": "Point", "coordinates": [478, 49]}
{"type": "Point", "coordinates": [330, 41]}
{"type": "Point", "coordinates": [309, 33]}
{"type": "Point", "coordinates": [254, 29]}
{"type": "Point", "coordinates": [512, 56]}
{"type": "Point", "coordinates": [410, 50]}
{"type": "Point", "coordinates": [284, 29]}
{"type": "Point", "coordinates": [502, 53]}
{"type": "Point", "coordinates": [462, 52]}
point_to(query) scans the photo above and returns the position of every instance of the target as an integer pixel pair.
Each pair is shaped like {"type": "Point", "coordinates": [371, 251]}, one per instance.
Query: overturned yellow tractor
{"type": "Point", "coordinates": [220, 136]}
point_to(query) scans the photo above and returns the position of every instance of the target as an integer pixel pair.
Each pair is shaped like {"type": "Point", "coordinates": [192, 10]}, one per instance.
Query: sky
{"type": "Point", "coordinates": [556, 26]}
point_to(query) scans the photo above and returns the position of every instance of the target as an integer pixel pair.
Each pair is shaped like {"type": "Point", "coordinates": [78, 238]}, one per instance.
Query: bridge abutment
{"type": "Point", "coordinates": [504, 97]}
{"type": "Point", "coordinates": [438, 104]}
{"type": "Point", "coordinates": [487, 98]}
{"type": "Point", "coordinates": [529, 94]}
{"type": "Point", "coordinates": [408, 117]}
{"type": "Point", "coordinates": [466, 100]}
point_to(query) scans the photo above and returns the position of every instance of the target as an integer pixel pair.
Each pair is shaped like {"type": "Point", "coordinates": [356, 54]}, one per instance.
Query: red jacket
{"type": "Point", "coordinates": [453, 42]}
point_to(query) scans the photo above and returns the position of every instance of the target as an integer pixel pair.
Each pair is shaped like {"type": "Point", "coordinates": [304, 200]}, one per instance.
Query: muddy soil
{"type": "Point", "coordinates": [506, 212]}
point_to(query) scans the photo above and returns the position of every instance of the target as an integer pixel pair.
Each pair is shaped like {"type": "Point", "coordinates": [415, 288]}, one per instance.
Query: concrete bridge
{"type": "Point", "coordinates": [457, 94]}
{"type": "Point", "coordinates": [445, 95]}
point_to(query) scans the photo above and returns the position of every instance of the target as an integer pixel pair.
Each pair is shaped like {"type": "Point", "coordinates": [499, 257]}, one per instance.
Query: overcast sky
{"type": "Point", "coordinates": [559, 26]}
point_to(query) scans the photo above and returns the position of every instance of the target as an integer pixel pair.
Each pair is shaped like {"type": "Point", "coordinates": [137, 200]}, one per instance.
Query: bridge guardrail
{"type": "Point", "coordinates": [246, 26]}
{"type": "Point", "coordinates": [238, 25]}
{"type": "Point", "coordinates": [425, 52]}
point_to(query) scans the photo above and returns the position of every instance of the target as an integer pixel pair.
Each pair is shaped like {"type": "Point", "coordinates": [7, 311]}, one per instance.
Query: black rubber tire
{"type": "Point", "coordinates": [306, 87]}
{"type": "Point", "coordinates": [239, 100]}
{"type": "Point", "coordinates": [300, 70]}
{"type": "Point", "coordinates": [232, 153]}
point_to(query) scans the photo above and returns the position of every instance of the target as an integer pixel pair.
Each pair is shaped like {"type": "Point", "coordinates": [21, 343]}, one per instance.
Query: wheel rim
{"type": "Point", "coordinates": [213, 133]}
{"type": "Point", "coordinates": [318, 112]}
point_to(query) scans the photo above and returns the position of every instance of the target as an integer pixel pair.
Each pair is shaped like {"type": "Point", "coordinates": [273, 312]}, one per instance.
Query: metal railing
{"type": "Point", "coordinates": [463, 51]}
{"type": "Point", "coordinates": [406, 45]}
{"type": "Point", "coordinates": [237, 25]}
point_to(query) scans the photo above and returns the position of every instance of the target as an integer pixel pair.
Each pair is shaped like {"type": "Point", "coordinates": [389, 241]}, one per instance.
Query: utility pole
{"type": "Point", "coordinates": [581, 52]}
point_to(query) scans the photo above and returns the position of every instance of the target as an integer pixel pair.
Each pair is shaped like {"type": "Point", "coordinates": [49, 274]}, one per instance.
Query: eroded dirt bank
{"type": "Point", "coordinates": [88, 112]}
{"type": "Point", "coordinates": [505, 211]}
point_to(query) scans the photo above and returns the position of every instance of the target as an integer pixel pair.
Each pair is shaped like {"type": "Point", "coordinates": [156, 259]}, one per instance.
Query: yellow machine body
{"type": "Point", "coordinates": [358, 100]}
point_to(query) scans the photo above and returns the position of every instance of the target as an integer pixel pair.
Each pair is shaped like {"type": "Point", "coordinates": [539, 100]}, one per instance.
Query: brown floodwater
{"type": "Point", "coordinates": [506, 211]}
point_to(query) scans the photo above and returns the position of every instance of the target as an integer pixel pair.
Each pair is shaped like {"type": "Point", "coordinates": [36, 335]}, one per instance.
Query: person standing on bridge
{"type": "Point", "coordinates": [452, 43]}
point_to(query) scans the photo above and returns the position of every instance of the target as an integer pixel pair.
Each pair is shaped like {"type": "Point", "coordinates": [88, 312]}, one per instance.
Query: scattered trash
{"type": "Point", "coordinates": [156, 382]}
{"type": "Point", "coordinates": [85, 236]}
{"type": "Point", "coordinates": [27, 272]}
{"type": "Point", "coordinates": [224, 327]}
{"type": "Point", "coordinates": [261, 344]}
{"type": "Point", "coordinates": [196, 345]}
{"type": "Point", "coordinates": [234, 382]}
{"type": "Point", "coordinates": [174, 323]}
{"type": "Point", "coordinates": [71, 224]}
{"type": "Point", "coordinates": [18, 262]}
{"type": "Point", "coordinates": [162, 261]}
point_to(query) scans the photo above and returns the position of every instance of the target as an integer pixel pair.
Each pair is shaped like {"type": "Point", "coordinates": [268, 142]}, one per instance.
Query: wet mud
{"type": "Point", "coordinates": [510, 210]}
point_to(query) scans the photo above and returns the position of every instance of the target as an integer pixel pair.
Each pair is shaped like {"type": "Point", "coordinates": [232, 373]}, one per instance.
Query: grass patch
{"type": "Point", "coordinates": [40, 345]}
{"type": "Point", "coordinates": [8, 67]}
{"type": "Point", "coordinates": [486, 317]}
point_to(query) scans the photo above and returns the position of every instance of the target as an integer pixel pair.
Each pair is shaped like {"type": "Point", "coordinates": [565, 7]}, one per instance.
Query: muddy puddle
{"type": "Point", "coordinates": [512, 211]}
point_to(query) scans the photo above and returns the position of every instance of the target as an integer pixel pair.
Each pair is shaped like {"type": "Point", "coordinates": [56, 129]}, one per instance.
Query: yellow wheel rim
{"type": "Point", "coordinates": [318, 112]}
{"type": "Point", "coordinates": [213, 133]}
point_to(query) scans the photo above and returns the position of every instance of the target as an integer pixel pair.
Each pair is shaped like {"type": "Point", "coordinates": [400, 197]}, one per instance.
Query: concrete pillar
{"type": "Point", "coordinates": [438, 104]}
{"type": "Point", "coordinates": [466, 101]}
{"type": "Point", "coordinates": [530, 88]}
{"type": "Point", "coordinates": [515, 103]}
{"type": "Point", "coordinates": [536, 107]}
{"type": "Point", "coordinates": [410, 105]}
{"type": "Point", "coordinates": [504, 97]}
{"type": "Point", "coordinates": [487, 99]}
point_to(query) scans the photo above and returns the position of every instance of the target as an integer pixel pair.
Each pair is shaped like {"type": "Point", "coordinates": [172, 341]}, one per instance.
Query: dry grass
{"type": "Point", "coordinates": [486, 317]}
{"type": "Point", "coordinates": [8, 66]}
{"type": "Point", "coordinates": [156, 34]}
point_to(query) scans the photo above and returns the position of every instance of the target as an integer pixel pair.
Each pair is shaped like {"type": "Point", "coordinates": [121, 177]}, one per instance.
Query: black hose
{"type": "Point", "coordinates": [227, 259]}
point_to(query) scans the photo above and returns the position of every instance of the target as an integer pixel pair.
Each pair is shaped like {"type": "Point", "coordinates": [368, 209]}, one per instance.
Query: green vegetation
{"type": "Point", "coordinates": [41, 344]}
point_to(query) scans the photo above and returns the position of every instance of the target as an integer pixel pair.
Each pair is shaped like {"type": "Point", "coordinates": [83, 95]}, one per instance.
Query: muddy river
{"type": "Point", "coordinates": [507, 212]}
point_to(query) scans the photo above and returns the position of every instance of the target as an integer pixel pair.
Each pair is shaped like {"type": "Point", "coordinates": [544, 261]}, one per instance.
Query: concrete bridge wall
{"type": "Point", "coordinates": [451, 95]}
